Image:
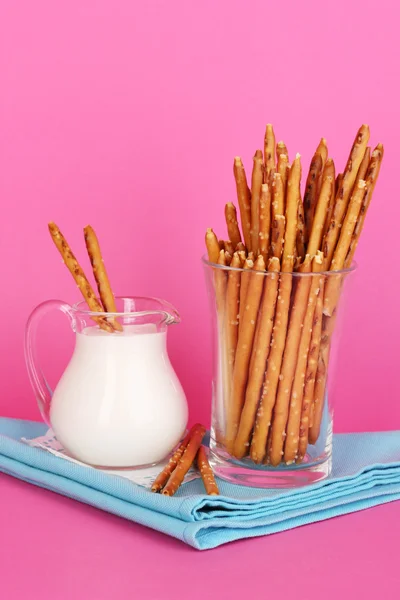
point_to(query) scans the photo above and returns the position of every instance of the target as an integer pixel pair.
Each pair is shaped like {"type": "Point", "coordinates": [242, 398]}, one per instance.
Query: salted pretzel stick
{"type": "Point", "coordinates": [165, 474]}
{"type": "Point", "coordinates": [277, 236]}
{"type": "Point", "coordinates": [278, 196]}
{"type": "Point", "coordinates": [311, 191]}
{"type": "Point", "coordinates": [300, 234]}
{"type": "Point", "coordinates": [292, 196]}
{"type": "Point", "coordinates": [79, 276]}
{"type": "Point", "coordinates": [232, 224]}
{"type": "Point", "coordinates": [244, 348]}
{"type": "Point", "coordinates": [296, 398]}
{"type": "Point", "coordinates": [265, 221]}
{"type": "Point", "coordinates": [322, 149]}
{"type": "Point", "coordinates": [371, 178]}
{"type": "Point", "coordinates": [185, 462]}
{"type": "Point", "coordinates": [333, 284]}
{"type": "Point", "coordinates": [283, 170]}
{"type": "Point", "coordinates": [331, 205]}
{"type": "Point", "coordinates": [269, 150]}
{"type": "Point", "coordinates": [317, 407]}
{"type": "Point", "coordinates": [268, 395]}
{"type": "Point", "coordinates": [244, 284]}
{"type": "Point", "coordinates": [206, 472]}
{"type": "Point", "coordinates": [258, 359]}
{"type": "Point", "coordinates": [311, 372]}
{"type": "Point", "coordinates": [256, 182]}
{"type": "Point", "coordinates": [281, 408]}
{"type": "Point", "coordinates": [281, 150]}
{"type": "Point", "coordinates": [213, 246]}
{"type": "Point", "coordinates": [232, 311]}
{"type": "Point", "coordinates": [325, 196]}
{"type": "Point", "coordinates": [244, 199]}
{"type": "Point", "coordinates": [100, 275]}
{"type": "Point", "coordinates": [362, 171]}
{"type": "Point", "coordinates": [344, 192]}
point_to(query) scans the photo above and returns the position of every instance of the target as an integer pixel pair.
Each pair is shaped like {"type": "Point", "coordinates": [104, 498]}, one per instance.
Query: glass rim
{"type": "Point", "coordinates": [140, 313]}
{"type": "Point", "coordinates": [353, 267]}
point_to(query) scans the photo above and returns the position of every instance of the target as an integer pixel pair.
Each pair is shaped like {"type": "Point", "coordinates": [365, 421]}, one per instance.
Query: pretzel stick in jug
{"type": "Point", "coordinates": [206, 472]}
{"type": "Point", "coordinates": [265, 221]}
{"type": "Point", "coordinates": [281, 150]}
{"type": "Point", "coordinates": [278, 196]}
{"type": "Point", "coordinates": [244, 348]}
{"type": "Point", "coordinates": [244, 200]}
{"type": "Point", "coordinates": [258, 359]}
{"type": "Point", "coordinates": [283, 170]}
{"type": "Point", "coordinates": [256, 182]}
{"type": "Point", "coordinates": [165, 474]}
{"type": "Point", "coordinates": [344, 192]}
{"type": "Point", "coordinates": [281, 408]}
{"type": "Point", "coordinates": [296, 400]}
{"type": "Point", "coordinates": [79, 276]}
{"type": "Point", "coordinates": [185, 462]}
{"type": "Point", "coordinates": [100, 275]}
{"type": "Point", "coordinates": [300, 236]}
{"type": "Point", "coordinates": [277, 233]}
{"type": "Point", "coordinates": [232, 225]}
{"type": "Point", "coordinates": [315, 239]}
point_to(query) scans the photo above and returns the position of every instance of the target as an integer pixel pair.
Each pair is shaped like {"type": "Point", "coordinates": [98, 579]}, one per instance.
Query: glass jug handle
{"type": "Point", "coordinates": [38, 381]}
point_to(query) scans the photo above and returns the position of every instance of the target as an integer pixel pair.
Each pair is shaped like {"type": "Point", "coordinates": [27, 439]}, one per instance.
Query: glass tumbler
{"type": "Point", "coordinates": [276, 337]}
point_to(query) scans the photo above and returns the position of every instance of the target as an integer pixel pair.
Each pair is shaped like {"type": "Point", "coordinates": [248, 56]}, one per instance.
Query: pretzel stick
{"type": "Point", "coordinates": [338, 182]}
{"type": "Point", "coordinates": [325, 196]}
{"type": "Point", "coordinates": [244, 200]}
{"type": "Point", "coordinates": [278, 196]}
{"type": "Point", "coordinates": [311, 372]}
{"type": "Point", "coordinates": [165, 474]}
{"type": "Point", "coordinates": [185, 462]}
{"type": "Point", "coordinates": [281, 408]}
{"type": "Point", "coordinates": [244, 284]}
{"type": "Point", "coordinates": [322, 149]}
{"type": "Point", "coordinates": [213, 246]}
{"type": "Point", "coordinates": [100, 275]}
{"type": "Point", "coordinates": [292, 195]}
{"type": "Point", "coordinates": [79, 276]}
{"type": "Point", "coordinates": [240, 247]}
{"type": "Point", "coordinates": [311, 192]}
{"type": "Point", "coordinates": [283, 170]}
{"type": "Point", "coordinates": [281, 150]}
{"type": "Point", "coordinates": [229, 248]}
{"type": "Point", "coordinates": [344, 192]}
{"type": "Point", "coordinates": [232, 311]}
{"type": "Point", "coordinates": [256, 182]}
{"type": "Point", "coordinates": [258, 359]}
{"type": "Point", "coordinates": [265, 220]}
{"type": "Point", "coordinates": [328, 326]}
{"type": "Point", "coordinates": [268, 395]}
{"type": "Point", "coordinates": [300, 235]}
{"type": "Point", "coordinates": [206, 472]}
{"type": "Point", "coordinates": [269, 151]}
{"type": "Point", "coordinates": [362, 171]}
{"type": "Point", "coordinates": [244, 348]}
{"type": "Point", "coordinates": [277, 233]}
{"type": "Point", "coordinates": [332, 288]}
{"type": "Point", "coordinates": [296, 400]}
{"type": "Point", "coordinates": [371, 178]}
{"type": "Point", "coordinates": [232, 224]}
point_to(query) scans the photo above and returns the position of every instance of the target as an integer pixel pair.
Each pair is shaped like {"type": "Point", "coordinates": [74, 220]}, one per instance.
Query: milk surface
{"type": "Point", "coordinates": [119, 402]}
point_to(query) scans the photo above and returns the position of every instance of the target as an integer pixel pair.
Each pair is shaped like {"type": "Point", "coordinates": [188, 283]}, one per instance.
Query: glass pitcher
{"type": "Point", "coordinates": [119, 403]}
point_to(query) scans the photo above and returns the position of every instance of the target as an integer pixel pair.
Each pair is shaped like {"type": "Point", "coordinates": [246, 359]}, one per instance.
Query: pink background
{"type": "Point", "coordinates": [128, 115]}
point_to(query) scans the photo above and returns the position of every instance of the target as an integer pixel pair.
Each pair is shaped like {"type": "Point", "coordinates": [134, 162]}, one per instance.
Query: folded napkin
{"type": "Point", "coordinates": [366, 473]}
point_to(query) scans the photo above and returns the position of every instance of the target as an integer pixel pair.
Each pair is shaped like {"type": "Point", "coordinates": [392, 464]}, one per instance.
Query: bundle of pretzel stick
{"type": "Point", "coordinates": [188, 452]}
{"type": "Point", "coordinates": [107, 300]}
{"type": "Point", "coordinates": [275, 322]}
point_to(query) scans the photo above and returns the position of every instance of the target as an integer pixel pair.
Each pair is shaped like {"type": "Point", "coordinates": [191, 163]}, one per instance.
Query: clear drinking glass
{"type": "Point", "coordinates": [275, 341]}
{"type": "Point", "coordinates": [119, 403]}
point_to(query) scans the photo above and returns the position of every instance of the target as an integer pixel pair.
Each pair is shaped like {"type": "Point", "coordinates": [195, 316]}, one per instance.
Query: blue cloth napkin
{"type": "Point", "coordinates": [366, 473]}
